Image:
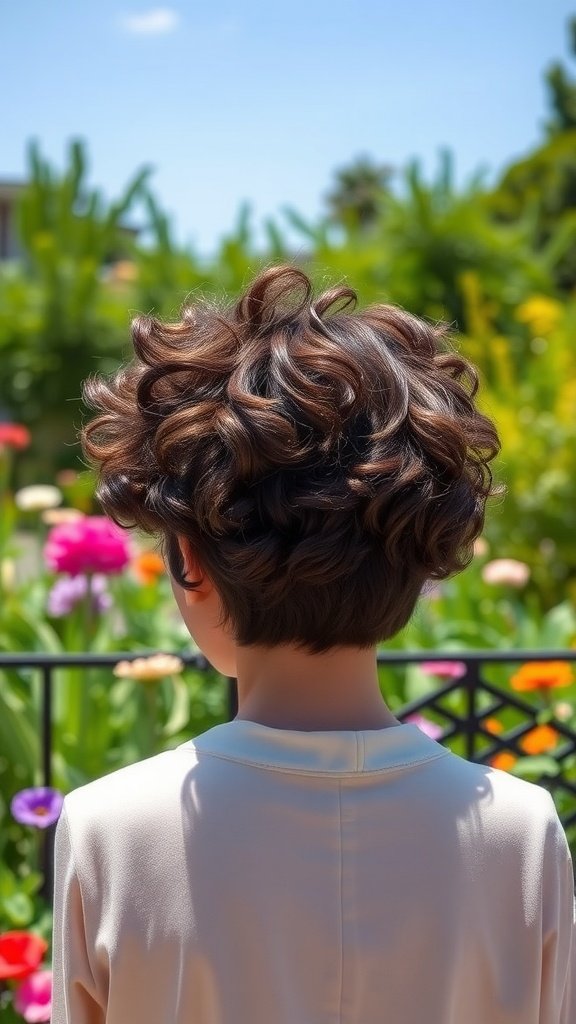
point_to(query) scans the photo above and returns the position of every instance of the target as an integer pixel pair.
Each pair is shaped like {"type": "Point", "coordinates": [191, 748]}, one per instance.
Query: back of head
{"type": "Point", "coordinates": [323, 463]}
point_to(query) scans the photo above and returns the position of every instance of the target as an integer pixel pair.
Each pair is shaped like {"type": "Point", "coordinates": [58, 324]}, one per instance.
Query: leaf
{"type": "Point", "coordinates": [18, 908]}
{"type": "Point", "coordinates": [298, 222]}
{"type": "Point", "coordinates": [31, 883]}
{"type": "Point", "coordinates": [180, 714]}
{"type": "Point", "coordinates": [8, 883]}
{"type": "Point", "coordinates": [558, 627]}
{"type": "Point", "coordinates": [19, 741]}
{"type": "Point", "coordinates": [419, 684]}
{"type": "Point", "coordinates": [276, 241]}
{"type": "Point", "coordinates": [530, 767]}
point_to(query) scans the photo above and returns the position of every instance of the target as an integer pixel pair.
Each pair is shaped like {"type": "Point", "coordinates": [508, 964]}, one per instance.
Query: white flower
{"type": "Point", "coordinates": [563, 710]}
{"type": "Point", "coordinates": [37, 497]}
{"type": "Point", "coordinates": [506, 570]}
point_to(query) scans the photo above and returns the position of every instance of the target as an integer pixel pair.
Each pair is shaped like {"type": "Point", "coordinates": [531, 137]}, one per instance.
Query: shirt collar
{"type": "Point", "coordinates": [368, 750]}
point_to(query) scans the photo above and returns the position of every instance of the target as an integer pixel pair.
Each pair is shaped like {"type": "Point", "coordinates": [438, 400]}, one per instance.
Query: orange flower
{"type": "Point", "coordinates": [493, 725]}
{"type": "Point", "coordinates": [539, 740]}
{"type": "Point", "coordinates": [148, 566]}
{"type": "Point", "coordinates": [535, 675]}
{"type": "Point", "coordinates": [504, 760]}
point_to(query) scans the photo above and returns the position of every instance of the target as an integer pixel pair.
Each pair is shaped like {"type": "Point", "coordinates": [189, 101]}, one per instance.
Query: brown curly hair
{"type": "Point", "coordinates": [323, 463]}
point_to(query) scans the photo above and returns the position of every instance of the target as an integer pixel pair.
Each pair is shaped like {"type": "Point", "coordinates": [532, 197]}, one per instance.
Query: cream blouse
{"type": "Point", "coordinates": [266, 876]}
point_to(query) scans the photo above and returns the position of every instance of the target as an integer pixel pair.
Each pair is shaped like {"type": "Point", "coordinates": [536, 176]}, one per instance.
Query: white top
{"type": "Point", "coordinates": [266, 876]}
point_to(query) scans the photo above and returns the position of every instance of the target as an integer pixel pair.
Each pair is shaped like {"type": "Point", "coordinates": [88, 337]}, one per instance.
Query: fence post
{"type": "Point", "coordinates": [471, 680]}
{"type": "Point", "coordinates": [48, 834]}
{"type": "Point", "coordinates": [46, 725]}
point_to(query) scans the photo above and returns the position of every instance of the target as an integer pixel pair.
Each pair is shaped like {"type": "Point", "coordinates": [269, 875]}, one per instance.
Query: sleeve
{"type": "Point", "coordinates": [558, 983]}
{"type": "Point", "coordinates": [74, 992]}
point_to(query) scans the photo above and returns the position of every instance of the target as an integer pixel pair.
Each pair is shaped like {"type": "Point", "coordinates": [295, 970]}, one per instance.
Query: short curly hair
{"type": "Point", "coordinates": [323, 463]}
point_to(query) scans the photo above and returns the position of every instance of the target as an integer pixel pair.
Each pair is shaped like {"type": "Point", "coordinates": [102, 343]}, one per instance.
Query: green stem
{"type": "Point", "coordinates": [88, 612]}
{"type": "Point", "coordinates": [83, 704]}
{"type": "Point", "coordinates": [545, 695]}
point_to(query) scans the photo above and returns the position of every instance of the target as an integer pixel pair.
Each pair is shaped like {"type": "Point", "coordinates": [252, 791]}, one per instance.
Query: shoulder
{"type": "Point", "coordinates": [513, 809]}
{"type": "Point", "coordinates": [137, 792]}
{"type": "Point", "coordinates": [526, 813]}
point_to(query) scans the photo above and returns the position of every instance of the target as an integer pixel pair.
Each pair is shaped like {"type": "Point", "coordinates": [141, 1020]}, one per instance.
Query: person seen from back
{"type": "Point", "coordinates": [309, 469]}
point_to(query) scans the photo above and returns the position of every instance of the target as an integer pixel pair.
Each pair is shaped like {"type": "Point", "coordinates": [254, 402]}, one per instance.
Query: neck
{"type": "Point", "coordinates": [285, 688]}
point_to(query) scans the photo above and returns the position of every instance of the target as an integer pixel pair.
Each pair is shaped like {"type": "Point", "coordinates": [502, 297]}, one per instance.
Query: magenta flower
{"type": "Point", "coordinates": [425, 725]}
{"type": "Point", "coordinates": [68, 591]}
{"type": "Point", "coordinates": [93, 544]}
{"type": "Point", "coordinates": [39, 806]}
{"type": "Point", "coordinates": [444, 669]}
{"type": "Point", "coordinates": [33, 997]}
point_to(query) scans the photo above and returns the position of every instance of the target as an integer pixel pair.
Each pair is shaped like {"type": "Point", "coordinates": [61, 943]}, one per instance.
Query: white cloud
{"type": "Point", "coordinates": [157, 21]}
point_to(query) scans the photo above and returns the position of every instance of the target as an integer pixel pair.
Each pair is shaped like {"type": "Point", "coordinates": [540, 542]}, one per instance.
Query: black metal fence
{"type": "Point", "coordinates": [480, 744]}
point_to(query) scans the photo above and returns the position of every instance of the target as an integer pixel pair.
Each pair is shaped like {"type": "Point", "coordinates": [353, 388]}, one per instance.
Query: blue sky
{"type": "Point", "coordinates": [263, 101]}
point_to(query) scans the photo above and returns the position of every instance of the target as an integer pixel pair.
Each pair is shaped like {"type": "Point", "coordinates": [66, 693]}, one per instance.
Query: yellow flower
{"type": "Point", "coordinates": [149, 669]}
{"type": "Point", "coordinates": [540, 313]}
{"type": "Point", "coordinates": [545, 675]}
{"type": "Point", "coordinates": [539, 740]}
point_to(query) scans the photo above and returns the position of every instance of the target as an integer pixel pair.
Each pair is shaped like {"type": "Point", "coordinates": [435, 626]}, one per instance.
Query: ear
{"type": "Point", "coordinates": [193, 571]}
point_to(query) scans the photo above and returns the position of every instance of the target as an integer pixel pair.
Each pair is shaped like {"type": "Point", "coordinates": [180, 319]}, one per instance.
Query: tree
{"type": "Point", "coordinates": [542, 185]}
{"type": "Point", "coordinates": [359, 192]}
{"type": "Point", "coordinates": [562, 91]}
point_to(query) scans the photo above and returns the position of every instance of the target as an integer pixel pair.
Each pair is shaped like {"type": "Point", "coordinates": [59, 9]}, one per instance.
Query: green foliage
{"type": "Point", "coordinates": [562, 90]}
{"type": "Point", "coordinates": [57, 322]}
{"type": "Point", "coordinates": [541, 189]}
{"type": "Point", "coordinates": [528, 386]}
{"type": "Point", "coordinates": [542, 185]}
{"type": "Point", "coordinates": [431, 234]}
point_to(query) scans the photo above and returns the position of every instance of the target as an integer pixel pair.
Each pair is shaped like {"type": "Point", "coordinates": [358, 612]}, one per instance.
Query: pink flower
{"type": "Point", "coordinates": [444, 669]}
{"type": "Point", "coordinates": [87, 545]}
{"type": "Point", "coordinates": [425, 725]}
{"type": "Point", "coordinates": [33, 998]}
{"type": "Point", "coordinates": [508, 571]}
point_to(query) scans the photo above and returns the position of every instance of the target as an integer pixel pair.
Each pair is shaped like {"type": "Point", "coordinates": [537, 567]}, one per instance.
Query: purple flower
{"type": "Point", "coordinates": [39, 806]}
{"type": "Point", "coordinates": [69, 590]}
